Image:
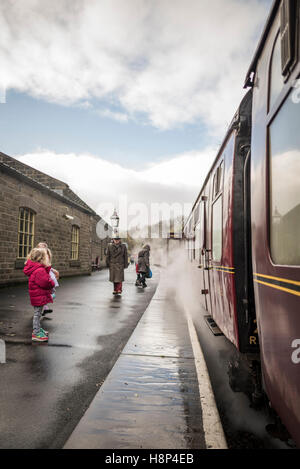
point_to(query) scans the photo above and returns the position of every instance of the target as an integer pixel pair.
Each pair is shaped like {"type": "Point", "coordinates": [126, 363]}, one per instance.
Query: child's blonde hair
{"type": "Point", "coordinates": [38, 255]}
{"type": "Point", "coordinates": [45, 246]}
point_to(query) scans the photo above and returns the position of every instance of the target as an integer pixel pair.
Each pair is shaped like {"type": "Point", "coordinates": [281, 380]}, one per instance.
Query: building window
{"type": "Point", "coordinates": [75, 243]}
{"type": "Point", "coordinates": [217, 230]}
{"type": "Point", "coordinates": [284, 164]}
{"type": "Point", "coordinates": [25, 232]}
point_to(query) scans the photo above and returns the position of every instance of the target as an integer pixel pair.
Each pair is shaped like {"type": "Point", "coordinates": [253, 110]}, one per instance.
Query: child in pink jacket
{"type": "Point", "coordinates": [54, 274]}
{"type": "Point", "coordinates": [40, 285]}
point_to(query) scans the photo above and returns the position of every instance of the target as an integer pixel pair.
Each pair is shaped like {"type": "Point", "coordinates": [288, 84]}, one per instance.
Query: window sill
{"type": "Point", "coordinates": [75, 263]}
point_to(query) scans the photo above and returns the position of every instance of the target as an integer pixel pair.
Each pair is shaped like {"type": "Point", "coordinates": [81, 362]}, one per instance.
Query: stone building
{"type": "Point", "coordinates": [35, 207]}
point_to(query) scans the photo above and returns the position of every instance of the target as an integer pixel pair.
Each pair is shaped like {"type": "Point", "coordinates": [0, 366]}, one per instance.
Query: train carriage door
{"type": "Point", "coordinates": [222, 271]}
{"type": "Point", "coordinates": [215, 260]}
{"type": "Point", "coordinates": [201, 251]}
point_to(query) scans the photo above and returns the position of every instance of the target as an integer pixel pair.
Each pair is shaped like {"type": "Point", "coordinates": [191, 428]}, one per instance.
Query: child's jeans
{"type": "Point", "coordinates": [36, 319]}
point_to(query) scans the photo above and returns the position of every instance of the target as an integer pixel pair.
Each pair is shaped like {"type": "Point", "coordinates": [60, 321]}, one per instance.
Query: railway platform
{"type": "Point", "coordinates": [158, 394]}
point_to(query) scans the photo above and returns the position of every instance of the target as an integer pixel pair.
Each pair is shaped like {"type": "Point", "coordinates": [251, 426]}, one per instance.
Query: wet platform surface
{"type": "Point", "coordinates": [150, 399]}
{"type": "Point", "coordinates": [46, 388]}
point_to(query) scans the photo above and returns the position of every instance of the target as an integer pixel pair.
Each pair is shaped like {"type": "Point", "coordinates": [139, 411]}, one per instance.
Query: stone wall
{"type": "Point", "coordinates": [51, 226]}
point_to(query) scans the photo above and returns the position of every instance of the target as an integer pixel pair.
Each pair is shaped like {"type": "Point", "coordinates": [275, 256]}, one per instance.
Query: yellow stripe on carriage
{"type": "Point", "coordinates": [288, 290]}
{"type": "Point", "coordinates": [225, 271]}
{"type": "Point", "coordinates": [294, 282]}
{"type": "Point", "coordinates": [223, 267]}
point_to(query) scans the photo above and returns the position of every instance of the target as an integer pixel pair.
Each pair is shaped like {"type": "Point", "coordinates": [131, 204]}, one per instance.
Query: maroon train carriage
{"type": "Point", "coordinates": [244, 229]}
{"type": "Point", "coordinates": [275, 207]}
{"type": "Point", "coordinates": [219, 247]}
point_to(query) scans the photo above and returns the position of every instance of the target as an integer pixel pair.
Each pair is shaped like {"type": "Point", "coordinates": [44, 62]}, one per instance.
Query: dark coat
{"type": "Point", "coordinates": [144, 259]}
{"type": "Point", "coordinates": [117, 261]}
{"type": "Point", "coordinates": [40, 283]}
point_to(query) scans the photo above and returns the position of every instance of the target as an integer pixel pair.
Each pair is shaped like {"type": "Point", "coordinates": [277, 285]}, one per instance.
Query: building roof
{"type": "Point", "coordinates": [44, 182]}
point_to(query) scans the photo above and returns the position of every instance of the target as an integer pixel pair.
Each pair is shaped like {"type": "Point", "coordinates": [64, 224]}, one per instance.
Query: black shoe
{"type": "Point", "coordinates": [47, 311]}
{"type": "Point", "coordinates": [144, 285]}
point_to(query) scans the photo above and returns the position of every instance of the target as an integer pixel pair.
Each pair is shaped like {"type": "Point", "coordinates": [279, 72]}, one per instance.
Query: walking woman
{"type": "Point", "coordinates": [143, 265]}
{"type": "Point", "coordinates": [117, 261]}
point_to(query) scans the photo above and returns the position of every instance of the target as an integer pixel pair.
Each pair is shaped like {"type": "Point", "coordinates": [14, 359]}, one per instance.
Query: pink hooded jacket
{"type": "Point", "coordinates": [40, 283]}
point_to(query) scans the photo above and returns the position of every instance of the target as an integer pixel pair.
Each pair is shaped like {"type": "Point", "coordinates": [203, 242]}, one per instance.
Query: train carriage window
{"type": "Point", "coordinates": [202, 225]}
{"type": "Point", "coordinates": [284, 161]}
{"type": "Point", "coordinates": [218, 180]}
{"type": "Point", "coordinates": [199, 233]}
{"type": "Point", "coordinates": [217, 230]}
{"type": "Point", "coordinates": [287, 34]}
{"type": "Point", "coordinates": [196, 215]}
{"type": "Point", "coordinates": [221, 170]}
{"type": "Point", "coordinates": [215, 185]}
{"type": "Point", "coordinates": [191, 249]}
{"type": "Point", "coordinates": [197, 242]}
{"type": "Point", "coordinates": [191, 227]}
{"type": "Point", "coordinates": [276, 78]}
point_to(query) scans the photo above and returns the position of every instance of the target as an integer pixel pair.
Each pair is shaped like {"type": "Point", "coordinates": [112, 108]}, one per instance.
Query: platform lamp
{"type": "Point", "coordinates": [115, 224]}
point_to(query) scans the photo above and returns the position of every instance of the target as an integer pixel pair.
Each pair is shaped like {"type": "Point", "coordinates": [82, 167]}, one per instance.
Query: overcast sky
{"type": "Point", "coordinates": [124, 96]}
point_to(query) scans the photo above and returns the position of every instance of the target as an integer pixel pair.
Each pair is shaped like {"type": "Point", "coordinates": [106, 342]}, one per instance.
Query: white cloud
{"type": "Point", "coordinates": [99, 182]}
{"type": "Point", "coordinates": [118, 116]}
{"type": "Point", "coordinates": [174, 61]}
{"type": "Point", "coordinates": [187, 169]}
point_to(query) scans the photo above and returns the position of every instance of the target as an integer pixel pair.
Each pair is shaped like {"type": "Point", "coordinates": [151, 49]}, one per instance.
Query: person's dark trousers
{"type": "Point", "coordinates": [143, 278]}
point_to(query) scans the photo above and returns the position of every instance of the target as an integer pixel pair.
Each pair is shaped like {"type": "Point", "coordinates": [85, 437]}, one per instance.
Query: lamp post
{"type": "Point", "coordinates": [115, 225]}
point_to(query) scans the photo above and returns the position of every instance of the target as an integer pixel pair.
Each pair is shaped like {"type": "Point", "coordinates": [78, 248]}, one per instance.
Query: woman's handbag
{"type": "Point", "coordinates": [149, 273]}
